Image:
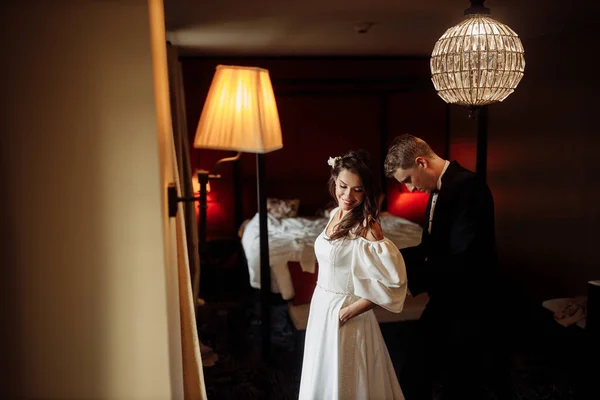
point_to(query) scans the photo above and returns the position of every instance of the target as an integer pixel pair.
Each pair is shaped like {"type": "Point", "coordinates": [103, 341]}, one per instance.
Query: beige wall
{"type": "Point", "coordinates": [543, 166]}
{"type": "Point", "coordinates": [87, 300]}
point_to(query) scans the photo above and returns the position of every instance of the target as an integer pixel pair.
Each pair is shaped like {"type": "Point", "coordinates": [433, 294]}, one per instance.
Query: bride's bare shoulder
{"type": "Point", "coordinates": [375, 232]}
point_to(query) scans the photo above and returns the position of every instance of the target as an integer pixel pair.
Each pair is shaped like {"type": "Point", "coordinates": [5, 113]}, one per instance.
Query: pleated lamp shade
{"type": "Point", "coordinates": [478, 62]}
{"type": "Point", "coordinates": [240, 112]}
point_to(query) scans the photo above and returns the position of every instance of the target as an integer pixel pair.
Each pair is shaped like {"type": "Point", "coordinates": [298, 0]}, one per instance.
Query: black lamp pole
{"type": "Point", "coordinates": [265, 265]}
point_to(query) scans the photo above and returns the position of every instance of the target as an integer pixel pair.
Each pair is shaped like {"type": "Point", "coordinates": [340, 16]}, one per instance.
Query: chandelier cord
{"type": "Point", "coordinates": [477, 7]}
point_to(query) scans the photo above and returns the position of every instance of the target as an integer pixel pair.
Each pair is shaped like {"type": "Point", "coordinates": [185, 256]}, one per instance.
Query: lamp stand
{"type": "Point", "coordinates": [265, 265]}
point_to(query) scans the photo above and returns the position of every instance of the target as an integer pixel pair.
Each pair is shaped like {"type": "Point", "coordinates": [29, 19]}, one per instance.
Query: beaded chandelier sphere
{"type": "Point", "coordinates": [478, 62]}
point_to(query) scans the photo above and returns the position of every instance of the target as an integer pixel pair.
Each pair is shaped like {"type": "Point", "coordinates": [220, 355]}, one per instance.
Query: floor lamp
{"type": "Point", "coordinates": [240, 114]}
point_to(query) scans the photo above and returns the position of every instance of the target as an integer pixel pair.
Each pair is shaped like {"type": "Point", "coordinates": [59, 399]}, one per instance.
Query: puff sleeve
{"type": "Point", "coordinates": [379, 273]}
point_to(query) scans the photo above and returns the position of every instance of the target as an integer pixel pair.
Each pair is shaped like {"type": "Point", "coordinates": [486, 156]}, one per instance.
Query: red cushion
{"type": "Point", "coordinates": [404, 204]}
{"type": "Point", "coordinates": [304, 283]}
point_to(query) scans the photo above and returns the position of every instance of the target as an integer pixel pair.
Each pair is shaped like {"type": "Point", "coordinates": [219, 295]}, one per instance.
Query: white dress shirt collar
{"type": "Point", "coordinates": [439, 182]}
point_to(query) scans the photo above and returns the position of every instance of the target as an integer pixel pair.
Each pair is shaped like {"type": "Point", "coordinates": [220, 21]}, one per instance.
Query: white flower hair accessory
{"type": "Point", "coordinates": [333, 160]}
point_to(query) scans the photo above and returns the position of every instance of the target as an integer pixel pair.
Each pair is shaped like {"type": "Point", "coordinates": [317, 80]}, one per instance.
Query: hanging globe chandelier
{"type": "Point", "coordinates": [478, 62]}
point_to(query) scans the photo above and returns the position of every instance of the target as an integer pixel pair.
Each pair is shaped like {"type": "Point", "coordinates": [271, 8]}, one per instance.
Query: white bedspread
{"type": "Point", "coordinates": [292, 239]}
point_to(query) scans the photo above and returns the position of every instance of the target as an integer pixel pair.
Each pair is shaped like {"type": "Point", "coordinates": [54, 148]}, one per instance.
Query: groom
{"type": "Point", "coordinates": [456, 265]}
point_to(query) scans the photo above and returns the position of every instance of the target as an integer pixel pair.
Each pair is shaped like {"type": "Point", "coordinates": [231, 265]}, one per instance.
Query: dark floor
{"type": "Point", "coordinates": [546, 364]}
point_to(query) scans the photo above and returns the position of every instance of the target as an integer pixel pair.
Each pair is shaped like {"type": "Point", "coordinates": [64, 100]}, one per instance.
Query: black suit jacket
{"type": "Point", "coordinates": [458, 258]}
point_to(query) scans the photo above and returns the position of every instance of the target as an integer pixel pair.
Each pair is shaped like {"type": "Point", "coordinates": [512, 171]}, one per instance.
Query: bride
{"type": "Point", "coordinates": [345, 356]}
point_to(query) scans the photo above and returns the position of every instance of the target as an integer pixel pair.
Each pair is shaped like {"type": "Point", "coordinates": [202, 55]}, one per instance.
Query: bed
{"type": "Point", "coordinates": [293, 263]}
{"type": "Point", "coordinates": [291, 241]}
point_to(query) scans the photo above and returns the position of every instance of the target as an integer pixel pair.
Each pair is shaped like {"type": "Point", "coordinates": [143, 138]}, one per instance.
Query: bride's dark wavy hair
{"type": "Point", "coordinates": [363, 216]}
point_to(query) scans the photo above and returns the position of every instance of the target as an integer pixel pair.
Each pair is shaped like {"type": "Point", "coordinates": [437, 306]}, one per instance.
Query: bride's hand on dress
{"type": "Point", "coordinates": [345, 314]}
{"type": "Point", "coordinates": [354, 309]}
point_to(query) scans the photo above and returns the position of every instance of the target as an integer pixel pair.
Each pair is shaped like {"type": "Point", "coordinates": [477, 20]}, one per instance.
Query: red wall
{"type": "Point", "coordinates": [326, 107]}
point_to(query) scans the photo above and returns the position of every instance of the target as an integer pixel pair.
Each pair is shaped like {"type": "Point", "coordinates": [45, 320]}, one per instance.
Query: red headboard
{"type": "Point", "coordinates": [402, 203]}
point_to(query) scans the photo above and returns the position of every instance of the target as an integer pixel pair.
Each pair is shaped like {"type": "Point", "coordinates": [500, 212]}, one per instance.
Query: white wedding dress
{"type": "Point", "coordinates": [352, 361]}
